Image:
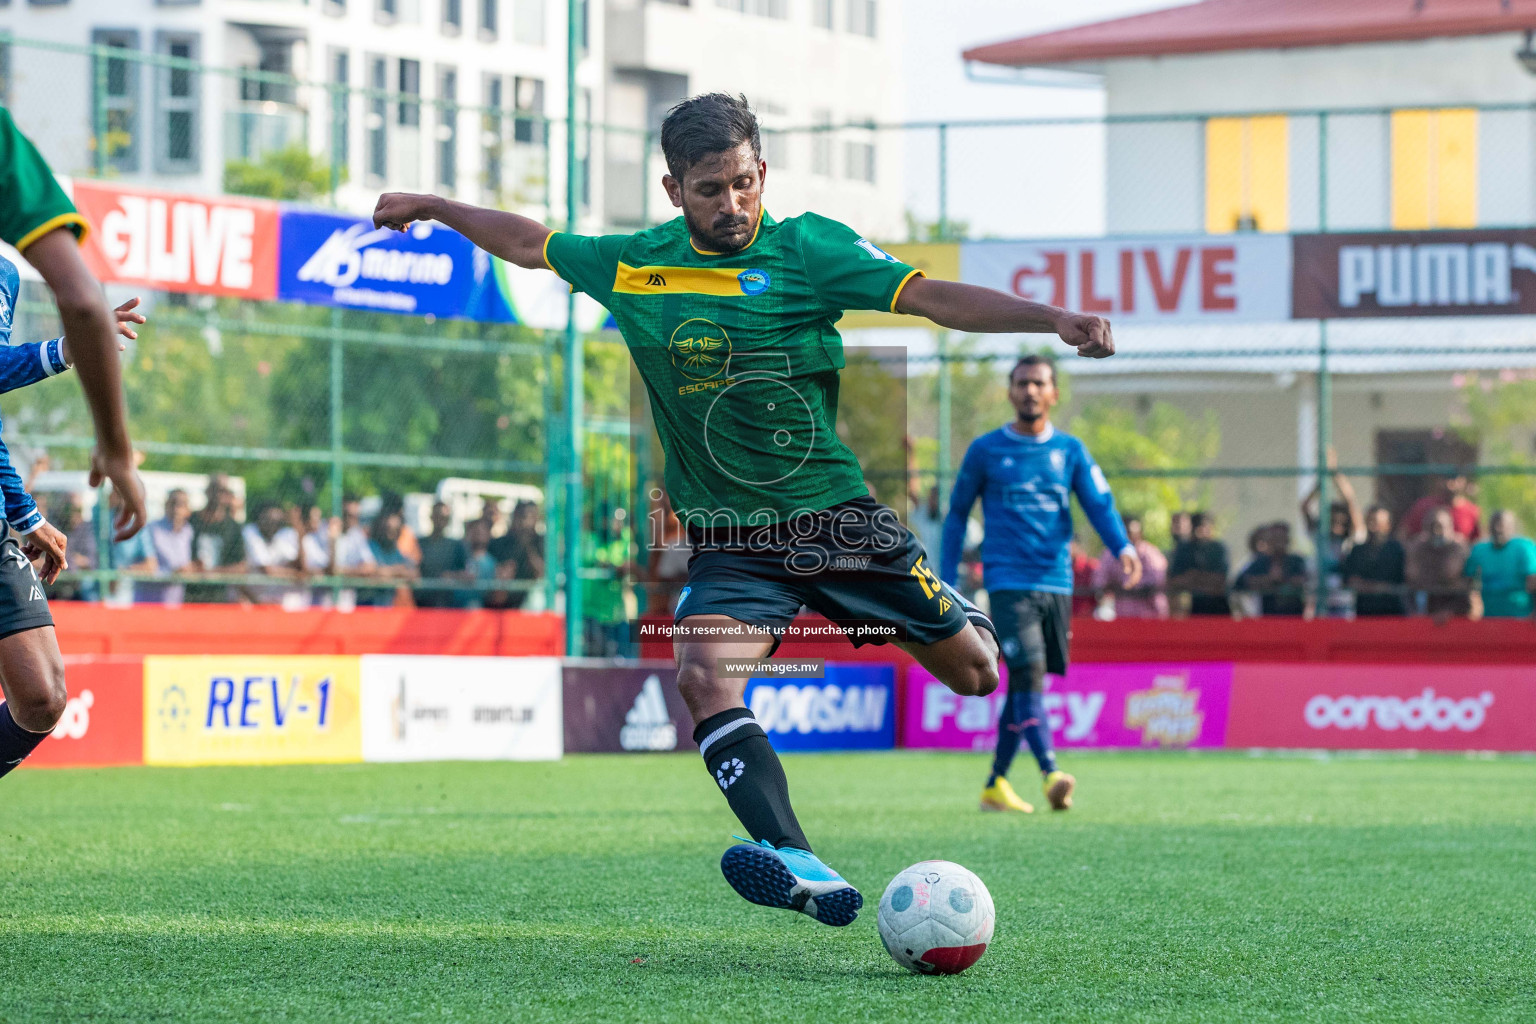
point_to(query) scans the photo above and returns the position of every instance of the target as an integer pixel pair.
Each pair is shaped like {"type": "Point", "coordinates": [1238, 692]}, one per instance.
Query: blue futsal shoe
{"type": "Point", "coordinates": [790, 879]}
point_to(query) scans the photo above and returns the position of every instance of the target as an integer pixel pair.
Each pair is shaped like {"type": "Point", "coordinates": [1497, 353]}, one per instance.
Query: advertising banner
{"type": "Point", "coordinates": [331, 259]}
{"type": "Point", "coordinates": [432, 708]}
{"type": "Point", "coordinates": [250, 709]}
{"type": "Point", "coordinates": [211, 245]}
{"type": "Point", "coordinates": [635, 707]}
{"type": "Point", "coordinates": [103, 721]}
{"type": "Point", "coordinates": [853, 707]}
{"type": "Point", "coordinates": [1415, 273]}
{"type": "Point", "coordinates": [1096, 705]}
{"type": "Point", "coordinates": [1384, 707]}
{"type": "Point", "coordinates": [1188, 279]}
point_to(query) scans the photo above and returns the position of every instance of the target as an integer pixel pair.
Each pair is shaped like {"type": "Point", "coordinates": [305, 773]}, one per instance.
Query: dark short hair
{"type": "Point", "coordinates": [1034, 359]}
{"type": "Point", "coordinates": [1378, 508]}
{"type": "Point", "coordinates": [703, 125]}
{"type": "Point", "coordinates": [1199, 519]}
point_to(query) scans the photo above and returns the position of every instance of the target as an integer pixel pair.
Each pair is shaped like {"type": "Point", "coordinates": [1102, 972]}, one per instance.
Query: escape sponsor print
{"type": "Point", "coordinates": [441, 708]}
{"type": "Point", "coordinates": [1094, 705]}
{"type": "Point", "coordinates": [1384, 707]}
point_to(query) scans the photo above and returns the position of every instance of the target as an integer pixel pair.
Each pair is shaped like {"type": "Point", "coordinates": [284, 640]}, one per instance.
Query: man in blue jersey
{"type": "Point", "coordinates": [1025, 473]}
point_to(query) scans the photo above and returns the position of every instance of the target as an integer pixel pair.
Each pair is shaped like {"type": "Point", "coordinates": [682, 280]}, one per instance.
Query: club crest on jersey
{"type": "Point", "coordinates": [754, 282]}
{"type": "Point", "coordinates": [1058, 460]}
{"type": "Point", "coordinates": [700, 349]}
{"type": "Point", "coordinates": [875, 251]}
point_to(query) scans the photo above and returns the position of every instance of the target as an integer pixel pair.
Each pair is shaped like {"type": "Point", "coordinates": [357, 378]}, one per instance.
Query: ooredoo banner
{"type": "Point", "coordinates": [1384, 707]}
{"type": "Point", "coordinates": [103, 721]}
{"type": "Point", "coordinates": [1094, 705]}
{"type": "Point", "coordinates": [1201, 278]}
{"type": "Point", "coordinates": [330, 259]}
{"type": "Point", "coordinates": [853, 707]}
{"type": "Point", "coordinates": [213, 245]}
{"type": "Point", "coordinates": [1415, 273]}
{"type": "Point", "coordinates": [429, 708]}
{"type": "Point", "coordinates": [632, 708]}
{"type": "Point", "coordinates": [250, 709]}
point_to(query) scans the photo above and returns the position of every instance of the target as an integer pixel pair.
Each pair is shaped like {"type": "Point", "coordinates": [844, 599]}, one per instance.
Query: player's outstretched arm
{"type": "Point", "coordinates": [516, 239]}
{"type": "Point", "coordinates": [977, 310]}
{"type": "Point", "coordinates": [89, 328]}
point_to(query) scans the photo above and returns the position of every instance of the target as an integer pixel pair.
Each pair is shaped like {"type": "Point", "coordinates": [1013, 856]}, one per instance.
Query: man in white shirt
{"type": "Point", "coordinates": [273, 549]}
{"type": "Point", "coordinates": [170, 539]}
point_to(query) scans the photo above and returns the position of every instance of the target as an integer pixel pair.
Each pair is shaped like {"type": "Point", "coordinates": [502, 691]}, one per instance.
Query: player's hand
{"type": "Point", "coordinates": [398, 209]}
{"type": "Point", "coordinates": [48, 544]}
{"type": "Point", "coordinates": [120, 469]}
{"type": "Point", "coordinates": [1087, 333]}
{"type": "Point", "coordinates": [125, 316]}
{"type": "Point", "coordinates": [1130, 568]}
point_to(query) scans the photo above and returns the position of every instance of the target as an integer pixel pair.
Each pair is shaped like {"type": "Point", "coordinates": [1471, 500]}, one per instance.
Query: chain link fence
{"type": "Point", "coordinates": [307, 405]}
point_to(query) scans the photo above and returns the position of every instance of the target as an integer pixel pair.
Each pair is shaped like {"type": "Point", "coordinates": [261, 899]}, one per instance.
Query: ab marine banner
{"type": "Point", "coordinates": [250, 709]}
{"type": "Point", "coordinates": [1186, 279]}
{"type": "Point", "coordinates": [1415, 273]}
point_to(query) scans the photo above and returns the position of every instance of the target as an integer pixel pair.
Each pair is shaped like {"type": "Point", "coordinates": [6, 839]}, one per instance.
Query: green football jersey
{"type": "Point", "coordinates": [31, 201]}
{"type": "Point", "coordinates": [739, 354]}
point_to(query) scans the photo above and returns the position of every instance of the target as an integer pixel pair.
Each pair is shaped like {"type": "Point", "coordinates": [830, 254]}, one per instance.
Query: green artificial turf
{"type": "Point", "coordinates": [1181, 888]}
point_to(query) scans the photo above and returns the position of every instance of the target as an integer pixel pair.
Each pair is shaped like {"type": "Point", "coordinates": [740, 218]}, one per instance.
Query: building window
{"type": "Point", "coordinates": [584, 146]}
{"type": "Point", "coordinates": [176, 106]}
{"type": "Point", "coordinates": [1434, 169]}
{"type": "Point", "coordinates": [528, 22]}
{"type": "Point", "coordinates": [341, 119]}
{"type": "Point", "coordinates": [386, 11]}
{"type": "Point", "coordinates": [335, 8]}
{"type": "Point", "coordinates": [491, 136]}
{"type": "Point", "coordinates": [274, 57]}
{"type": "Point", "coordinates": [862, 20]}
{"type": "Point", "coordinates": [761, 8]}
{"type": "Point", "coordinates": [5, 73]}
{"type": "Point", "coordinates": [409, 113]}
{"type": "Point", "coordinates": [488, 20]}
{"type": "Point", "coordinates": [775, 143]}
{"type": "Point", "coordinates": [1247, 167]}
{"type": "Point", "coordinates": [453, 17]}
{"type": "Point", "coordinates": [378, 117]}
{"type": "Point", "coordinates": [447, 128]}
{"type": "Point", "coordinates": [822, 15]}
{"type": "Point", "coordinates": [528, 97]}
{"type": "Point", "coordinates": [821, 144]}
{"type": "Point", "coordinates": [116, 88]}
{"type": "Point", "coordinates": [859, 160]}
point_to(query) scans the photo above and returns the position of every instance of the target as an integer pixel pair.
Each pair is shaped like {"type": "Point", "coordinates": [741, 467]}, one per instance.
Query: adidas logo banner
{"type": "Point", "coordinates": [632, 708]}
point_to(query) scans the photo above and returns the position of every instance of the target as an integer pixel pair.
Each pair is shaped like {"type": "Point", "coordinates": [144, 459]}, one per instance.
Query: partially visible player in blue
{"type": "Point", "coordinates": [32, 550]}
{"type": "Point", "coordinates": [1025, 473]}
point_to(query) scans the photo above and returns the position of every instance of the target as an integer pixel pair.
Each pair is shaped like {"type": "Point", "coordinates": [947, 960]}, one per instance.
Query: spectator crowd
{"type": "Point", "coordinates": [296, 556]}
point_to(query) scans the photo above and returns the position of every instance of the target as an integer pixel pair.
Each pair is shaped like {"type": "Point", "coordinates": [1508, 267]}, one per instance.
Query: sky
{"type": "Point", "coordinates": [1004, 182]}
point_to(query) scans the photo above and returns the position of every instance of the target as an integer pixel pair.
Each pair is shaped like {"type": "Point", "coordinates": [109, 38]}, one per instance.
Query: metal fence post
{"type": "Point", "coordinates": [338, 134]}
{"type": "Point", "coordinates": [1324, 388]}
{"type": "Point", "coordinates": [99, 82]}
{"type": "Point", "coordinates": [943, 183]}
{"type": "Point", "coordinates": [338, 480]}
{"type": "Point", "coordinates": [574, 368]}
{"type": "Point", "coordinates": [946, 393]}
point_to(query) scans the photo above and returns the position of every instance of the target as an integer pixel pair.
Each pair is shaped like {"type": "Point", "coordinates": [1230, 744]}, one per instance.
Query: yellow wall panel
{"type": "Point", "coordinates": [1434, 169]}
{"type": "Point", "coordinates": [1456, 169]}
{"type": "Point", "coordinates": [1247, 174]}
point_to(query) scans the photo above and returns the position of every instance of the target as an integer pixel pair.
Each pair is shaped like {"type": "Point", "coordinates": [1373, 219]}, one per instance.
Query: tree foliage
{"type": "Point", "coordinates": [1501, 414]}
{"type": "Point", "coordinates": [292, 173]}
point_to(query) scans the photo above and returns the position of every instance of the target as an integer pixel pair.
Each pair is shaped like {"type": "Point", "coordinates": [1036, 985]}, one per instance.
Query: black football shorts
{"type": "Point", "coordinates": [1033, 625]}
{"type": "Point", "coordinates": [23, 605]}
{"type": "Point", "coordinates": [854, 563]}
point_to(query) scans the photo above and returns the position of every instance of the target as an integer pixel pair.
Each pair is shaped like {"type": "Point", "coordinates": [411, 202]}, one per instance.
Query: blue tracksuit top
{"type": "Point", "coordinates": [1025, 484]}
{"type": "Point", "coordinates": [20, 365]}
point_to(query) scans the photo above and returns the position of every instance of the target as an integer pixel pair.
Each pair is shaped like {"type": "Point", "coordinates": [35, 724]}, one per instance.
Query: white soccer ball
{"type": "Point", "coordinates": [936, 918]}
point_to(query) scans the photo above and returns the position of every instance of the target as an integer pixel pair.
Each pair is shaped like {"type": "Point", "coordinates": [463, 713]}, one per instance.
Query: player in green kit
{"type": "Point", "coordinates": [729, 317]}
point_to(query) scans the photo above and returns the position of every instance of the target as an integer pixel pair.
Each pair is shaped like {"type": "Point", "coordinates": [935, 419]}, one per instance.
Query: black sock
{"type": "Point", "coordinates": [15, 742]}
{"type": "Point", "coordinates": [746, 768]}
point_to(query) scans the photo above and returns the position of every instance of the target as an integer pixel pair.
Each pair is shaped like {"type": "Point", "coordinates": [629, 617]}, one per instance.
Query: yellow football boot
{"type": "Point", "coordinates": [1058, 788]}
{"type": "Point", "coordinates": [1000, 797]}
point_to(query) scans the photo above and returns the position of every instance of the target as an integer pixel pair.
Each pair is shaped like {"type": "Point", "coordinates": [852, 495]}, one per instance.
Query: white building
{"type": "Point", "coordinates": [801, 63]}
{"type": "Point", "coordinates": [1222, 133]}
{"type": "Point", "coordinates": [431, 95]}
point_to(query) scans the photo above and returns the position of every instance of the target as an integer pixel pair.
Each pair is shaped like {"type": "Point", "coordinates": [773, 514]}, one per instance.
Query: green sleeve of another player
{"type": "Point", "coordinates": [31, 201]}
{"type": "Point", "coordinates": [847, 270]}
{"type": "Point", "coordinates": [588, 262]}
